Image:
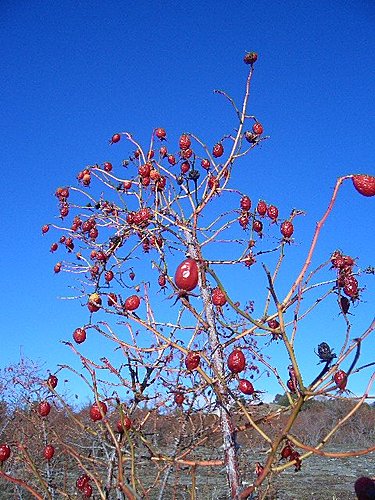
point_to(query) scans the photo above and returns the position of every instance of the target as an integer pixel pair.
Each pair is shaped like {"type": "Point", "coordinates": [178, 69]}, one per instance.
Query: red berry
{"type": "Point", "coordinates": [192, 360]}
{"type": "Point", "coordinates": [79, 335]}
{"type": "Point", "coordinates": [115, 138]}
{"type": "Point", "coordinates": [236, 361]}
{"type": "Point", "coordinates": [44, 408]}
{"type": "Point", "coordinates": [109, 276]}
{"type": "Point", "coordinates": [341, 379]}
{"type": "Point", "coordinates": [273, 323]}
{"type": "Point", "coordinates": [286, 451]}
{"type": "Point", "coordinates": [257, 226]}
{"type": "Point", "coordinates": [162, 280]}
{"type": "Point", "coordinates": [364, 184]}
{"type": "Point", "coordinates": [161, 133]}
{"type": "Point", "coordinates": [184, 142]}
{"type": "Point", "coordinates": [54, 247]}
{"type": "Point", "coordinates": [213, 182]}
{"type": "Point", "coordinates": [132, 275]}
{"type": "Point", "coordinates": [112, 299]}
{"type": "Point", "coordinates": [179, 398]}
{"type": "Point", "coordinates": [245, 386]}
{"type": "Point", "coordinates": [351, 286]}
{"type": "Point", "coordinates": [262, 208]}
{"type": "Point", "coordinates": [218, 150]}
{"type": "Point", "coordinates": [64, 211]}
{"type": "Point", "coordinates": [87, 490]}
{"type": "Point", "coordinates": [287, 229]}
{"type": "Point", "coordinates": [185, 166]}
{"type": "Point", "coordinates": [205, 164]}
{"type": "Point", "coordinates": [144, 170]}
{"type": "Point", "coordinates": [218, 297]}
{"type": "Point", "coordinates": [123, 423]}
{"type": "Point", "coordinates": [186, 276]}
{"type": "Point", "coordinates": [250, 58]}
{"type": "Point", "coordinates": [272, 212]}
{"type": "Point", "coordinates": [48, 452]}
{"type": "Point", "coordinates": [97, 411]}
{"type": "Point", "coordinates": [52, 381]}
{"type": "Point", "coordinates": [82, 481]}
{"type": "Point", "coordinates": [258, 128]}
{"type": "Point", "coordinates": [107, 166]}
{"type": "Point", "coordinates": [94, 303]}
{"type": "Point", "coordinates": [171, 160]}
{"type": "Point", "coordinates": [344, 304]}
{"type": "Point", "coordinates": [57, 267]}
{"type": "Point", "coordinates": [127, 184]}
{"type": "Point", "coordinates": [243, 220]}
{"type": "Point", "coordinates": [163, 152]}
{"type": "Point", "coordinates": [132, 303]}
{"type": "Point", "coordinates": [291, 385]}
{"type": "Point", "coordinates": [45, 229]}
{"type": "Point", "coordinates": [245, 203]}
{"type": "Point", "coordinates": [4, 452]}
{"type": "Point", "coordinates": [101, 256]}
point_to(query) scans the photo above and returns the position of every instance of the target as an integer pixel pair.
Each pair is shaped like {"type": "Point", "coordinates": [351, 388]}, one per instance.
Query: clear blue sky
{"type": "Point", "coordinates": [76, 72]}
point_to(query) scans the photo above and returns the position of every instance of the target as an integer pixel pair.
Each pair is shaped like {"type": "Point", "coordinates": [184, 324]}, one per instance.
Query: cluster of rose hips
{"type": "Point", "coordinates": [261, 210]}
{"type": "Point", "coordinates": [345, 278]}
{"type": "Point", "coordinates": [289, 453]}
{"type": "Point", "coordinates": [236, 363]}
{"type": "Point", "coordinates": [186, 157]}
{"type": "Point", "coordinates": [99, 410]}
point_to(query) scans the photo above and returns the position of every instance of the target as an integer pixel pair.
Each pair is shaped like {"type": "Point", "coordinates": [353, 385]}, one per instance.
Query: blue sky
{"type": "Point", "coordinates": [76, 72]}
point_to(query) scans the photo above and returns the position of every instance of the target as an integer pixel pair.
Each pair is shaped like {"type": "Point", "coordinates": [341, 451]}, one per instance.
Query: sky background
{"type": "Point", "coordinates": [76, 72]}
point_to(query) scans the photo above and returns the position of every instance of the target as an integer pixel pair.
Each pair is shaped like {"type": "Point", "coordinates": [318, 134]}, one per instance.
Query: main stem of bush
{"type": "Point", "coordinates": [219, 387]}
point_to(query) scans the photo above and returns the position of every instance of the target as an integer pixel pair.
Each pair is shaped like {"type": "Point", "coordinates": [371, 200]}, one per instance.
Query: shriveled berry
{"type": "Point", "coordinates": [250, 58]}
{"type": "Point", "coordinates": [192, 360]}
